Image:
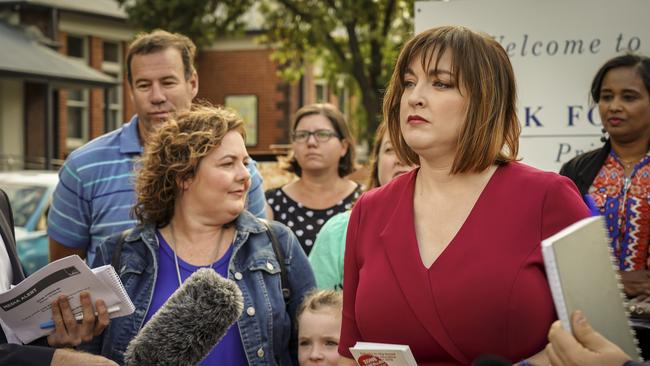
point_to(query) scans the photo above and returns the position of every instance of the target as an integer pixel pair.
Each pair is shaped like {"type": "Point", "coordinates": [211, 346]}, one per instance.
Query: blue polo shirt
{"type": "Point", "coordinates": [95, 193]}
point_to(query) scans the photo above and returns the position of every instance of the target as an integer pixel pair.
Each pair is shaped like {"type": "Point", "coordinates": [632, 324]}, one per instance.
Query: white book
{"type": "Point", "coordinates": [382, 354]}
{"type": "Point", "coordinates": [27, 307]}
{"type": "Point", "coordinates": [110, 278]}
{"type": "Point", "coordinates": [582, 275]}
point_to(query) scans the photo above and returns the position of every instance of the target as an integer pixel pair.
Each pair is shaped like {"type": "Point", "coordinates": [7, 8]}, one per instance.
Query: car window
{"type": "Point", "coordinates": [24, 201]}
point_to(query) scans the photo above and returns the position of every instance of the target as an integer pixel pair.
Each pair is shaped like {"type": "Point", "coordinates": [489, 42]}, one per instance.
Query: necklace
{"type": "Point", "coordinates": [627, 164]}
{"type": "Point", "coordinates": [173, 246]}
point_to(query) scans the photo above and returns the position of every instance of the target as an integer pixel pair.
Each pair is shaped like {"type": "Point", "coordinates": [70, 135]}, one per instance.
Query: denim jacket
{"type": "Point", "coordinates": [266, 326]}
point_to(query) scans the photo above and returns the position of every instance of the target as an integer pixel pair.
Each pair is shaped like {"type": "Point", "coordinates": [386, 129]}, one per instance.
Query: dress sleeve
{"type": "Point", "coordinates": [326, 257]}
{"type": "Point", "coordinates": [349, 331]}
{"type": "Point", "coordinates": [562, 207]}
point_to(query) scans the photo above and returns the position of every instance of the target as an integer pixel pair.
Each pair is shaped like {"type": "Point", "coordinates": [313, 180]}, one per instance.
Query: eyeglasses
{"type": "Point", "coordinates": [319, 135]}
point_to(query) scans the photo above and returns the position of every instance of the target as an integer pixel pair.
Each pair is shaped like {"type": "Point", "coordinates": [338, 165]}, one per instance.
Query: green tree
{"type": "Point", "coordinates": [356, 40]}
{"type": "Point", "coordinates": [201, 20]}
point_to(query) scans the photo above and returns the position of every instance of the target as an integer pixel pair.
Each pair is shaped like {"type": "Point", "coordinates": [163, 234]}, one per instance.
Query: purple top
{"type": "Point", "coordinates": [229, 351]}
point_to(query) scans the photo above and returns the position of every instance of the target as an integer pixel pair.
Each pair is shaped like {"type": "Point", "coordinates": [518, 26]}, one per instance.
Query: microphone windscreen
{"type": "Point", "coordinates": [186, 328]}
{"type": "Point", "coordinates": [490, 360]}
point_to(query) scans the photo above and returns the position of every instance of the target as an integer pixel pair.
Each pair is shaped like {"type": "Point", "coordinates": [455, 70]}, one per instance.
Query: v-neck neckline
{"type": "Point", "coordinates": [468, 219]}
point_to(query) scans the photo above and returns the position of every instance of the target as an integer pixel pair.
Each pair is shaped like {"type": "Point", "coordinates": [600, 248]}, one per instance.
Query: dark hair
{"type": "Point", "coordinates": [160, 40]}
{"type": "Point", "coordinates": [336, 118]}
{"type": "Point", "coordinates": [490, 133]}
{"type": "Point", "coordinates": [172, 155]}
{"type": "Point", "coordinates": [642, 64]}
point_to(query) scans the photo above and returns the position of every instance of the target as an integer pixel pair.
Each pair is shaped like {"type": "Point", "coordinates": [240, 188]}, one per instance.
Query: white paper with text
{"type": "Point", "coordinates": [24, 307]}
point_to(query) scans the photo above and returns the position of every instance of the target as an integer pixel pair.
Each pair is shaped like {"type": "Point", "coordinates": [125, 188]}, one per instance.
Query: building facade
{"type": "Point", "coordinates": [43, 116]}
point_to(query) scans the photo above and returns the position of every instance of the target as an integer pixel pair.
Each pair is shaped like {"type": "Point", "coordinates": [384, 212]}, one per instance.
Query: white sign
{"type": "Point", "coordinates": [556, 47]}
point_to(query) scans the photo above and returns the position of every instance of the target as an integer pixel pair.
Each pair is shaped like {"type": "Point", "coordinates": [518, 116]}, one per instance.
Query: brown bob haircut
{"type": "Point", "coordinates": [172, 155]}
{"type": "Point", "coordinates": [490, 134]}
{"type": "Point", "coordinates": [160, 40]}
{"type": "Point", "coordinates": [336, 118]}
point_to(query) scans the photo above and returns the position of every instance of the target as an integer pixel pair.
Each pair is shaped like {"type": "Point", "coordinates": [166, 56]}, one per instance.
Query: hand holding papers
{"type": "Point", "coordinates": [582, 276]}
{"type": "Point", "coordinates": [25, 307]}
{"type": "Point", "coordinates": [68, 331]}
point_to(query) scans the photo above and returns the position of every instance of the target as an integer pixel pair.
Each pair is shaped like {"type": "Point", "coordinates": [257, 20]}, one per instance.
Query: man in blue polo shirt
{"type": "Point", "coordinates": [95, 193]}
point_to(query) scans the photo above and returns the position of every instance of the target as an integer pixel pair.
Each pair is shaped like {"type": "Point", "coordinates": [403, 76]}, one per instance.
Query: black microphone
{"type": "Point", "coordinates": [194, 318]}
{"type": "Point", "coordinates": [491, 360]}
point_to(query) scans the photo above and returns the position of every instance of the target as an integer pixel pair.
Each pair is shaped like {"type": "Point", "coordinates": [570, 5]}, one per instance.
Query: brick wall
{"type": "Point", "coordinates": [96, 96]}
{"type": "Point", "coordinates": [96, 102]}
{"type": "Point", "coordinates": [241, 72]}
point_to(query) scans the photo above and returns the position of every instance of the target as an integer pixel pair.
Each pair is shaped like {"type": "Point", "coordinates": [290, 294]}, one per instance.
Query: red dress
{"type": "Point", "coordinates": [485, 294]}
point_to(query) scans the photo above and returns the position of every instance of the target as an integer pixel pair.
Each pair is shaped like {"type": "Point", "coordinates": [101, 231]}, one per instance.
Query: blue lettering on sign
{"type": "Point", "coordinates": [532, 117]}
{"type": "Point", "coordinates": [590, 117]}
{"type": "Point", "coordinates": [573, 113]}
{"type": "Point", "coordinates": [563, 150]}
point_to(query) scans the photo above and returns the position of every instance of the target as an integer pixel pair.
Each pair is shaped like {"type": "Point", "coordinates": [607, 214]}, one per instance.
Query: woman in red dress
{"type": "Point", "coordinates": [447, 258]}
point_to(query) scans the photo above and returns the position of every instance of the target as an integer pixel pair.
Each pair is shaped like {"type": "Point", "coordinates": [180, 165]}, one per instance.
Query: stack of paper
{"type": "Point", "coordinates": [27, 307]}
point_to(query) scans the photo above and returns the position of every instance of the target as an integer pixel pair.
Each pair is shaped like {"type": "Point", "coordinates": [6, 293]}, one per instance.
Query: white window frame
{"type": "Point", "coordinates": [83, 104]}
{"type": "Point", "coordinates": [73, 142]}
{"type": "Point", "coordinates": [115, 69]}
{"type": "Point", "coordinates": [323, 84]}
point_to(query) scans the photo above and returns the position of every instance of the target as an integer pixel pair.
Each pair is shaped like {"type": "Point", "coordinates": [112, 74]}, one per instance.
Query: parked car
{"type": "Point", "coordinates": [30, 194]}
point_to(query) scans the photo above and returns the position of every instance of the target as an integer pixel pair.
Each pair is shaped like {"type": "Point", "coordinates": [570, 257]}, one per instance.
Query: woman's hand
{"type": "Point", "coordinates": [636, 283]}
{"type": "Point", "coordinates": [587, 348]}
{"type": "Point", "coordinates": [67, 331]}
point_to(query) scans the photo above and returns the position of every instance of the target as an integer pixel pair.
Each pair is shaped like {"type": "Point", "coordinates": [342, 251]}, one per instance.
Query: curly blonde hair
{"type": "Point", "coordinates": [172, 156]}
{"type": "Point", "coordinates": [317, 300]}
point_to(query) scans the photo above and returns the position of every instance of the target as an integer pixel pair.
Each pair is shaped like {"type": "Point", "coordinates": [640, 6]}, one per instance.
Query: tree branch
{"type": "Point", "coordinates": [327, 37]}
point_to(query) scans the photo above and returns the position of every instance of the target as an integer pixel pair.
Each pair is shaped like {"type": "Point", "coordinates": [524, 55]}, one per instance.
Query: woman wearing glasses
{"type": "Point", "coordinates": [323, 154]}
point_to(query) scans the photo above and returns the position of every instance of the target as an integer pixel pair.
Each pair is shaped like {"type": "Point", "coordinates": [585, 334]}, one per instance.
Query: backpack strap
{"type": "Point", "coordinates": [286, 292]}
{"type": "Point", "coordinates": [117, 252]}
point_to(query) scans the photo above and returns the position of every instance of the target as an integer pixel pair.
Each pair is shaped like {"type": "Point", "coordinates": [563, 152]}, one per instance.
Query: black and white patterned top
{"type": "Point", "coordinates": [304, 221]}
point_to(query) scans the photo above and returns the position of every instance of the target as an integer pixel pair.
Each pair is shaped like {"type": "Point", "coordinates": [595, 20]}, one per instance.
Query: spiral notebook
{"type": "Point", "coordinates": [110, 278]}
{"type": "Point", "coordinates": [582, 275]}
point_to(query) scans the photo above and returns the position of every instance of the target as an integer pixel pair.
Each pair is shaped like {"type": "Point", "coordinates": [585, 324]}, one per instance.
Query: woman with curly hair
{"type": "Point", "coordinates": [191, 193]}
